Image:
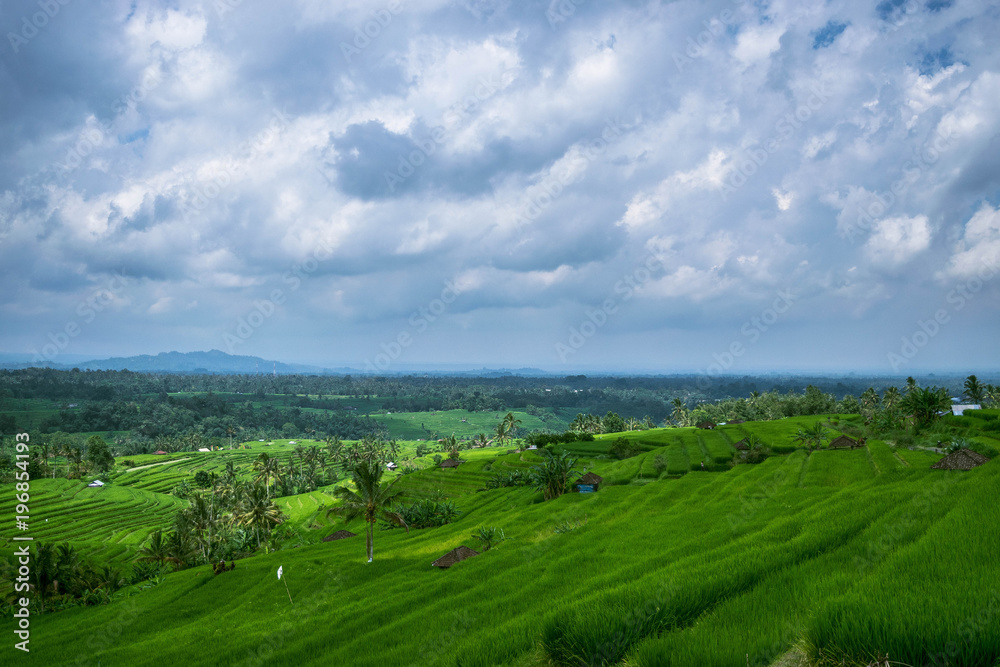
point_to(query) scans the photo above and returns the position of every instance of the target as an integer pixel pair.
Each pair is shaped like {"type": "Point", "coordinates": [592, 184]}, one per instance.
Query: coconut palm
{"type": "Point", "coordinates": [680, 413]}
{"type": "Point", "coordinates": [812, 437]}
{"type": "Point", "coordinates": [512, 422]}
{"type": "Point", "coordinates": [926, 404]}
{"type": "Point", "coordinates": [891, 399]}
{"type": "Point", "coordinates": [974, 390]}
{"type": "Point", "coordinates": [369, 499]}
{"type": "Point", "coordinates": [157, 550]}
{"type": "Point", "coordinates": [257, 511]}
{"type": "Point", "coordinates": [500, 433]}
{"type": "Point", "coordinates": [552, 477]}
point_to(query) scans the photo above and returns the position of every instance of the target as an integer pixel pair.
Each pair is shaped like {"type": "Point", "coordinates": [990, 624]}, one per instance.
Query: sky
{"type": "Point", "coordinates": [712, 187]}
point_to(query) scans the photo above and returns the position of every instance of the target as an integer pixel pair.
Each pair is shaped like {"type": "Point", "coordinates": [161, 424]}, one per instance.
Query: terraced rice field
{"type": "Point", "coordinates": [108, 523]}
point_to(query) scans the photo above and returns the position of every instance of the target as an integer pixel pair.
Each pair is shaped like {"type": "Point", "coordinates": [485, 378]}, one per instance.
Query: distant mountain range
{"type": "Point", "coordinates": [216, 361]}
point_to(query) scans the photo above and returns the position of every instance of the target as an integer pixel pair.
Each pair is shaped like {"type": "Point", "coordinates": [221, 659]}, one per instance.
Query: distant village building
{"type": "Point", "coordinates": [339, 535]}
{"type": "Point", "coordinates": [204, 449]}
{"type": "Point", "coordinates": [454, 556]}
{"type": "Point", "coordinates": [159, 451]}
{"type": "Point", "coordinates": [957, 410]}
{"type": "Point", "coordinates": [451, 463]}
{"type": "Point", "coordinates": [843, 442]}
{"type": "Point", "coordinates": [742, 445]}
{"type": "Point", "coordinates": [588, 483]}
{"type": "Point", "coordinates": [96, 483]}
{"type": "Point", "coordinates": [391, 466]}
{"type": "Point", "coordinates": [706, 425]}
{"type": "Point", "coordinates": [963, 459]}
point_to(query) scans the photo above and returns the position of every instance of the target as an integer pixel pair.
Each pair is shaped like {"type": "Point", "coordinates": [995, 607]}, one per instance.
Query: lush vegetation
{"type": "Point", "coordinates": [692, 552]}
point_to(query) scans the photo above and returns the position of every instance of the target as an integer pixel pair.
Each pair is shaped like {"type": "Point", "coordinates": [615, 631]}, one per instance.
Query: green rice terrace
{"type": "Point", "coordinates": [815, 555]}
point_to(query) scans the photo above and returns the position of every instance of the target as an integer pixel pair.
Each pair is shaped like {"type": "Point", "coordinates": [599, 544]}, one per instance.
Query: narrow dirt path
{"type": "Point", "coordinates": [153, 465]}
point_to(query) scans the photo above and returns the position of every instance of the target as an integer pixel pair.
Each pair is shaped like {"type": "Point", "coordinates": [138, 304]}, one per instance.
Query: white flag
{"type": "Point", "coordinates": [279, 572]}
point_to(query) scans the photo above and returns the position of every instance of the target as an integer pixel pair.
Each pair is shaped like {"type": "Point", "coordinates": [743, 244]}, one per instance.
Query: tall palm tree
{"type": "Point", "coordinates": [891, 399]}
{"type": "Point", "coordinates": [500, 433]}
{"type": "Point", "coordinates": [926, 403]}
{"type": "Point", "coordinates": [369, 499]}
{"type": "Point", "coordinates": [157, 550]}
{"type": "Point", "coordinates": [974, 390]}
{"type": "Point", "coordinates": [812, 437]}
{"type": "Point", "coordinates": [258, 511]}
{"type": "Point", "coordinates": [552, 476]}
{"type": "Point", "coordinates": [680, 413]}
{"type": "Point", "coordinates": [513, 423]}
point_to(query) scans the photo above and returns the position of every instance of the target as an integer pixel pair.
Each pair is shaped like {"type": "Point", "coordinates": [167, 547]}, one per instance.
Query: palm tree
{"type": "Point", "coordinates": [258, 511]}
{"type": "Point", "coordinates": [157, 550]}
{"type": "Point", "coordinates": [891, 399]}
{"type": "Point", "coordinates": [267, 468]}
{"type": "Point", "coordinates": [500, 433]}
{"type": "Point", "coordinates": [552, 476]}
{"type": "Point", "coordinates": [369, 499]}
{"type": "Point", "coordinates": [680, 413]}
{"type": "Point", "coordinates": [925, 404]}
{"type": "Point", "coordinates": [513, 423]}
{"type": "Point", "coordinates": [974, 390]}
{"type": "Point", "coordinates": [812, 437]}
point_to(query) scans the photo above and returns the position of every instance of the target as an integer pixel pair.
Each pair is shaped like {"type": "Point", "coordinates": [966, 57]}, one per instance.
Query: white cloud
{"type": "Point", "coordinates": [895, 241]}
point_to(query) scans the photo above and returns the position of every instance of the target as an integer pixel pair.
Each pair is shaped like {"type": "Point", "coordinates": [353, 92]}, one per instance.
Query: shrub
{"type": "Point", "coordinates": [426, 513]}
{"type": "Point", "coordinates": [623, 448]}
{"type": "Point", "coordinates": [516, 477]}
{"type": "Point", "coordinates": [489, 537]}
{"type": "Point", "coordinates": [659, 464]}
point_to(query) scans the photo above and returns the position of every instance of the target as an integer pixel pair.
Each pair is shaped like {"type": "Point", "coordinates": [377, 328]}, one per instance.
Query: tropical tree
{"type": "Point", "coordinates": [926, 404]}
{"type": "Point", "coordinates": [369, 499]}
{"type": "Point", "coordinates": [812, 437]}
{"type": "Point", "coordinates": [552, 477]}
{"type": "Point", "coordinates": [257, 511]}
{"type": "Point", "coordinates": [500, 433]}
{"type": "Point", "coordinates": [680, 413]}
{"type": "Point", "coordinates": [156, 550]}
{"type": "Point", "coordinates": [974, 390]}
{"type": "Point", "coordinates": [512, 424]}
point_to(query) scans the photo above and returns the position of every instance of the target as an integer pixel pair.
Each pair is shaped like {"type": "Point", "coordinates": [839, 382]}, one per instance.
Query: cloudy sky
{"type": "Point", "coordinates": [691, 186]}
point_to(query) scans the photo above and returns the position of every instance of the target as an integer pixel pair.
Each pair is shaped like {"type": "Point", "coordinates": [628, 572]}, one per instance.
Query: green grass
{"type": "Point", "coordinates": [849, 554]}
{"type": "Point", "coordinates": [460, 423]}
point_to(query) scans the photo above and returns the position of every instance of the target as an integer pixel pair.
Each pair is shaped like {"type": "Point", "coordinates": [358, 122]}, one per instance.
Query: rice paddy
{"type": "Point", "coordinates": [842, 556]}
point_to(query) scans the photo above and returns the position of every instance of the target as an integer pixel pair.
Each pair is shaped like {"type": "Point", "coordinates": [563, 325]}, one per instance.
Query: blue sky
{"type": "Point", "coordinates": [685, 186]}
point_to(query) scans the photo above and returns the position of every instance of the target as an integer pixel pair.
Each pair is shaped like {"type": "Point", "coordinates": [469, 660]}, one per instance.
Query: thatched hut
{"type": "Point", "coordinates": [742, 445]}
{"type": "Point", "coordinates": [963, 459]}
{"type": "Point", "coordinates": [339, 535]}
{"type": "Point", "coordinates": [588, 483]}
{"type": "Point", "coordinates": [706, 424]}
{"type": "Point", "coordinates": [843, 442]}
{"type": "Point", "coordinates": [454, 556]}
{"type": "Point", "coordinates": [451, 463]}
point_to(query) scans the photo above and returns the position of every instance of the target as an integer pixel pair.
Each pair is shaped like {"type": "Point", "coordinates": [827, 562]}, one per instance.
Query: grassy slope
{"type": "Point", "coordinates": [832, 548]}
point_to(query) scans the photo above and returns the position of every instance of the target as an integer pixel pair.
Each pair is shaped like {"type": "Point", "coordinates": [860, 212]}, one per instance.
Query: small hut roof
{"type": "Point", "coordinates": [339, 535]}
{"type": "Point", "coordinates": [451, 463]}
{"type": "Point", "coordinates": [590, 478]}
{"type": "Point", "coordinates": [160, 451]}
{"type": "Point", "coordinates": [453, 556]}
{"type": "Point", "coordinates": [963, 459]}
{"type": "Point", "coordinates": [843, 442]}
{"type": "Point", "coordinates": [742, 444]}
{"type": "Point", "coordinates": [706, 424]}
{"type": "Point", "coordinates": [738, 421]}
